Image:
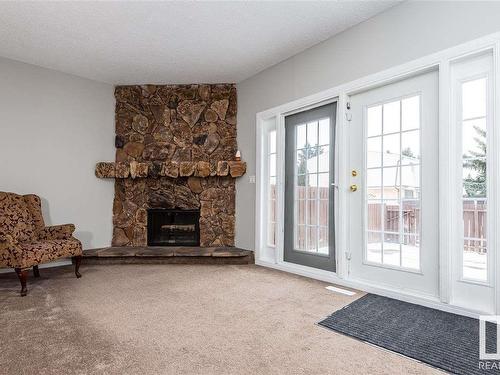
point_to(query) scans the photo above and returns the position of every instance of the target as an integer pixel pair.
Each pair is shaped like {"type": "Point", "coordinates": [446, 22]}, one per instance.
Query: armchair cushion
{"type": "Point", "coordinates": [56, 232]}
{"type": "Point", "coordinates": [15, 217]}
{"type": "Point", "coordinates": [10, 253]}
{"type": "Point", "coordinates": [45, 251]}
{"type": "Point", "coordinates": [34, 204]}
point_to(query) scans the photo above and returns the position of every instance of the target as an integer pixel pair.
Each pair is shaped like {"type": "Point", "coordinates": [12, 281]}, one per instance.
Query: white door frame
{"type": "Point", "coordinates": [274, 258]}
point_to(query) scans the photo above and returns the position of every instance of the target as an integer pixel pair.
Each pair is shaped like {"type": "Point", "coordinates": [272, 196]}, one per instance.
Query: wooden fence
{"type": "Point", "coordinates": [474, 217]}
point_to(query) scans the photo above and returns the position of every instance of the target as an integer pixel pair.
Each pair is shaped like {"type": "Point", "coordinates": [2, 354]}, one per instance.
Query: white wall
{"type": "Point", "coordinates": [401, 34]}
{"type": "Point", "coordinates": [54, 127]}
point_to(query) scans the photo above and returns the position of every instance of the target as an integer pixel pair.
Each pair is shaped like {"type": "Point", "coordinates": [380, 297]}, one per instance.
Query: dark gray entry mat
{"type": "Point", "coordinates": [440, 339]}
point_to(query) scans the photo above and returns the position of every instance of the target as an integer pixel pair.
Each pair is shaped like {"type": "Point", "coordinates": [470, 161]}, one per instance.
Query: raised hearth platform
{"type": "Point", "coordinates": [168, 255]}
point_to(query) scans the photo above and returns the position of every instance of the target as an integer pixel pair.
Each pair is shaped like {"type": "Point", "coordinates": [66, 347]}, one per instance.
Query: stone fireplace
{"type": "Point", "coordinates": [175, 151]}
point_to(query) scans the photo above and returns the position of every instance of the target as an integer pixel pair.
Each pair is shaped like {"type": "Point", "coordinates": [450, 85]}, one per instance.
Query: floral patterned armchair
{"type": "Point", "coordinates": [26, 242]}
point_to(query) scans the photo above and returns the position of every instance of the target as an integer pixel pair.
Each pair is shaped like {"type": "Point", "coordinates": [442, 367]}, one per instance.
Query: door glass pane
{"type": "Point", "coordinates": [374, 152]}
{"type": "Point", "coordinates": [324, 186]}
{"type": "Point", "coordinates": [300, 238]}
{"type": "Point", "coordinates": [323, 240]}
{"type": "Point", "coordinates": [392, 216]}
{"type": "Point", "coordinates": [411, 216]}
{"type": "Point", "coordinates": [375, 215]}
{"type": "Point", "coordinates": [323, 158]}
{"type": "Point", "coordinates": [374, 183]}
{"type": "Point", "coordinates": [312, 238]}
{"type": "Point", "coordinates": [312, 133]}
{"type": "Point", "coordinates": [301, 163]}
{"type": "Point", "coordinates": [392, 249]}
{"type": "Point", "coordinates": [410, 253]}
{"type": "Point", "coordinates": [410, 147]}
{"type": "Point", "coordinates": [312, 211]}
{"type": "Point", "coordinates": [374, 121]}
{"type": "Point", "coordinates": [391, 178]}
{"type": "Point", "coordinates": [301, 137]}
{"type": "Point", "coordinates": [312, 160]}
{"type": "Point", "coordinates": [393, 191]}
{"type": "Point", "coordinates": [391, 117]}
{"type": "Point", "coordinates": [323, 212]}
{"type": "Point", "coordinates": [312, 186]}
{"type": "Point", "coordinates": [374, 247]}
{"type": "Point", "coordinates": [474, 138]}
{"type": "Point", "coordinates": [324, 131]}
{"type": "Point", "coordinates": [410, 181]}
{"type": "Point", "coordinates": [410, 108]}
{"type": "Point", "coordinates": [392, 150]}
{"type": "Point", "coordinates": [300, 208]}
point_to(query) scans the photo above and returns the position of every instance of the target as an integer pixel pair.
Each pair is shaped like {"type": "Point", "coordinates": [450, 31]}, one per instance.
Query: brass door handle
{"type": "Point", "coordinates": [353, 188]}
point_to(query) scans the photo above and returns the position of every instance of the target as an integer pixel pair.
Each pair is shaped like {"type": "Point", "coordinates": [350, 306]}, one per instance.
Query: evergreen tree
{"type": "Point", "coordinates": [476, 186]}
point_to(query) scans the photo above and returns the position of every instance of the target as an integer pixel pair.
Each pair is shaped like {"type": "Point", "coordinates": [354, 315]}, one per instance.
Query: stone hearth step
{"type": "Point", "coordinates": [168, 254]}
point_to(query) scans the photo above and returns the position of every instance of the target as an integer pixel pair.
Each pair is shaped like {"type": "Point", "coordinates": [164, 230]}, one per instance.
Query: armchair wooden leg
{"type": "Point", "coordinates": [78, 261]}
{"type": "Point", "coordinates": [36, 271]}
{"type": "Point", "coordinates": [23, 277]}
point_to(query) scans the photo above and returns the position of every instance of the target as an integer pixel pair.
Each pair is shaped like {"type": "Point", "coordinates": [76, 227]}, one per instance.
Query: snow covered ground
{"type": "Point", "coordinates": [474, 263]}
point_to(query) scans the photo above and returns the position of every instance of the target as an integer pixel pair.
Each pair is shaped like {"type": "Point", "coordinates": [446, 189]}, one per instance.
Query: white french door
{"type": "Point", "coordinates": [393, 205]}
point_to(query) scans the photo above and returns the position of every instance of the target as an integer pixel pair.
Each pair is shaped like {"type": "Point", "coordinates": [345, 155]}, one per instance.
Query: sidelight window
{"type": "Point", "coordinates": [473, 122]}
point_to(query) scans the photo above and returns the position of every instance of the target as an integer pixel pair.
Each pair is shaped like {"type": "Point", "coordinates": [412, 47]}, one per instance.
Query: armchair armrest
{"type": "Point", "coordinates": [57, 232]}
{"type": "Point", "coordinates": [10, 253]}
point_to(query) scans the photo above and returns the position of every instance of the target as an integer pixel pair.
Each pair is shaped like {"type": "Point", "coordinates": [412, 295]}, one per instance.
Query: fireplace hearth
{"type": "Point", "coordinates": [173, 227]}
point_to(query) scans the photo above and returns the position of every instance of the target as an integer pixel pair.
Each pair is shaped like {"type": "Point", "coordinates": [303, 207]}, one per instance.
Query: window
{"type": "Point", "coordinates": [271, 215]}
{"type": "Point", "coordinates": [393, 183]}
{"type": "Point", "coordinates": [472, 123]}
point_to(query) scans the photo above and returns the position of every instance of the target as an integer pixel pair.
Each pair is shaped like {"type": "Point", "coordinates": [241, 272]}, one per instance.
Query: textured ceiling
{"type": "Point", "coordinates": [167, 42]}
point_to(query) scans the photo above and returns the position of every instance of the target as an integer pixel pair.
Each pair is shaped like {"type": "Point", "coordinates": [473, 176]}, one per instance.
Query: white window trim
{"type": "Point", "coordinates": [447, 209]}
{"type": "Point", "coordinates": [456, 81]}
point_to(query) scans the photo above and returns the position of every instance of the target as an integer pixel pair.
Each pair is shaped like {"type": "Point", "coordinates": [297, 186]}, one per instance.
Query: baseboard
{"type": "Point", "coordinates": [331, 277]}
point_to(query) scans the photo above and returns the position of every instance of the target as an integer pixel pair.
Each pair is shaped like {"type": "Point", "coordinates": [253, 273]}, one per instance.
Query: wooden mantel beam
{"type": "Point", "coordinates": [169, 169]}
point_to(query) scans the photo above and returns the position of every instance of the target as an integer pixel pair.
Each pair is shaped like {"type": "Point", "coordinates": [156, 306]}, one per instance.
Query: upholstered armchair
{"type": "Point", "coordinates": [26, 242]}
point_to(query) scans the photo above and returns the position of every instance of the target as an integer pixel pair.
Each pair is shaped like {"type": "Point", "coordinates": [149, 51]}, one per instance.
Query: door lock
{"type": "Point", "coordinates": [353, 188]}
{"type": "Point", "coordinates": [354, 173]}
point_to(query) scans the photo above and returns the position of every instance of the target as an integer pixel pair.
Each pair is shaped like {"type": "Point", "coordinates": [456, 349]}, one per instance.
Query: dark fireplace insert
{"type": "Point", "coordinates": [173, 227]}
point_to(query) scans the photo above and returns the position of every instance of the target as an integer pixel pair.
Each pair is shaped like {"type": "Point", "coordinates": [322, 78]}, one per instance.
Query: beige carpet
{"type": "Point", "coordinates": [179, 319]}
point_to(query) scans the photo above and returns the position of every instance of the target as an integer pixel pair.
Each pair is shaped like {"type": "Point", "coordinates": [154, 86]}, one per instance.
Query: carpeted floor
{"type": "Point", "coordinates": [180, 319]}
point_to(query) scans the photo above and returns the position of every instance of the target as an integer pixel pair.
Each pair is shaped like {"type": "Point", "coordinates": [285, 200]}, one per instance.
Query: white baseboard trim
{"type": "Point", "coordinates": [331, 277]}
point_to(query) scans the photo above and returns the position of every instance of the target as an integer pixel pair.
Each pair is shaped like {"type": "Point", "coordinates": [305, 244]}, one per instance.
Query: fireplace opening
{"type": "Point", "coordinates": [173, 227]}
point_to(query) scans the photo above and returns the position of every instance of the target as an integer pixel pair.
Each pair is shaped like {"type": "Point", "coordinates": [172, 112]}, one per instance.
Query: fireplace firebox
{"type": "Point", "coordinates": [175, 227]}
